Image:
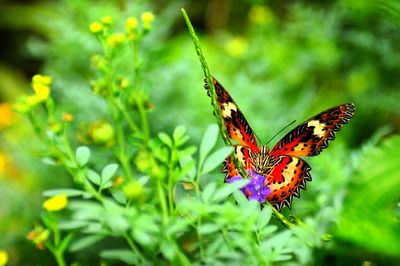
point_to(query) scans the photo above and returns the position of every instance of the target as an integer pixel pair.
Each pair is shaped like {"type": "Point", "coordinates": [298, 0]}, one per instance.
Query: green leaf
{"type": "Point", "coordinates": [73, 224]}
{"type": "Point", "coordinates": [108, 172]}
{"type": "Point", "coordinates": [69, 192]}
{"type": "Point", "coordinates": [208, 228]}
{"type": "Point", "coordinates": [240, 198]}
{"type": "Point", "coordinates": [124, 255]}
{"type": "Point", "coordinates": [373, 196]}
{"type": "Point", "coordinates": [168, 249]}
{"type": "Point", "coordinates": [208, 192]}
{"type": "Point", "coordinates": [93, 177]}
{"type": "Point", "coordinates": [82, 155]}
{"type": "Point", "coordinates": [208, 142]}
{"type": "Point", "coordinates": [216, 159]}
{"type": "Point", "coordinates": [84, 242]}
{"type": "Point", "coordinates": [228, 189]}
{"type": "Point", "coordinates": [142, 237]}
{"type": "Point", "coordinates": [165, 139]}
{"type": "Point", "coordinates": [278, 241]}
{"type": "Point", "coordinates": [264, 217]}
{"type": "Point", "coordinates": [179, 135]}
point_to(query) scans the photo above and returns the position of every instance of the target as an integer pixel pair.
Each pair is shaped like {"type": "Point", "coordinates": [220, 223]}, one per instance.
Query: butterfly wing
{"type": "Point", "coordinates": [236, 125]}
{"type": "Point", "coordinates": [242, 154]}
{"type": "Point", "coordinates": [312, 136]}
{"type": "Point", "coordinates": [289, 175]}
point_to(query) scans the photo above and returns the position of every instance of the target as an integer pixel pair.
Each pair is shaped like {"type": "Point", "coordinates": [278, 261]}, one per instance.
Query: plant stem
{"type": "Point", "coordinates": [282, 218]}
{"type": "Point", "coordinates": [133, 247]}
{"type": "Point", "coordinates": [213, 94]}
{"type": "Point", "coordinates": [163, 202]}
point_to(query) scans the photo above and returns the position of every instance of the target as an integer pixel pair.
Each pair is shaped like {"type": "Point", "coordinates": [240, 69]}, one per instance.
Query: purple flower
{"type": "Point", "coordinates": [256, 188]}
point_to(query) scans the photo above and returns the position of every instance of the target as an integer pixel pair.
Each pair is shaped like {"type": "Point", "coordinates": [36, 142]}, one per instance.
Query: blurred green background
{"type": "Point", "coordinates": [280, 60]}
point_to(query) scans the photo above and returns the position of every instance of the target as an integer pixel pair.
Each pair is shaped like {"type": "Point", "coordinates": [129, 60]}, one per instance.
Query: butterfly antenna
{"type": "Point", "coordinates": [257, 137]}
{"type": "Point", "coordinates": [291, 123]}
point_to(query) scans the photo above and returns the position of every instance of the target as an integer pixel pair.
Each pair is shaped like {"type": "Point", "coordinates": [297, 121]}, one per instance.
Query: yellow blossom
{"type": "Point", "coordinates": [6, 115]}
{"type": "Point", "coordinates": [118, 181]}
{"type": "Point", "coordinates": [3, 257]}
{"type": "Point", "coordinates": [131, 24]}
{"type": "Point", "coordinates": [260, 15]}
{"type": "Point", "coordinates": [67, 117]}
{"type": "Point", "coordinates": [42, 91]}
{"type": "Point", "coordinates": [107, 20]}
{"type": "Point", "coordinates": [237, 46]}
{"type": "Point", "coordinates": [123, 83]}
{"type": "Point", "coordinates": [115, 39]}
{"type": "Point", "coordinates": [133, 190]}
{"type": "Point", "coordinates": [38, 78]}
{"type": "Point", "coordinates": [101, 132]}
{"type": "Point", "coordinates": [95, 27]}
{"type": "Point", "coordinates": [147, 19]}
{"type": "Point", "coordinates": [3, 162]}
{"type": "Point", "coordinates": [56, 203]}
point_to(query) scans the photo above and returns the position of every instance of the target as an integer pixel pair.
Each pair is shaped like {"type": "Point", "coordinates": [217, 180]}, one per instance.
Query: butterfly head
{"type": "Point", "coordinates": [260, 160]}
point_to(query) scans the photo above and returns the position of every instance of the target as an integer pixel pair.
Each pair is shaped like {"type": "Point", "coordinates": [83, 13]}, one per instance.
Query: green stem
{"type": "Point", "coordinates": [133, 247]}
{"type": "Point", "coordinates": [282, 218]}
{"type": "Point", "coordinates": [163, 202]}
{"type": "Point", "coordinates": [140, 102]}
{"type": "Point", "coordinates": [121, 153]}
{"type": "Point", "coordinates": [213, 94]}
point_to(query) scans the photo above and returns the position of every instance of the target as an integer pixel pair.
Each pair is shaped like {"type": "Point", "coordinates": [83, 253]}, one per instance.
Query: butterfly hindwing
{"type": "Point", "coordinates": [236, 125]}
{"type": "Point", "coordinates": [312, 136]}
{"type": "Point", "coordinates": [242, 154]}
{"type": "Point", "coordinates": [289, 175]}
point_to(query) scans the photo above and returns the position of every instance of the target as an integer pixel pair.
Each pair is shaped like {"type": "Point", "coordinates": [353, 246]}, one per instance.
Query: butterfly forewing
{"type": "Point", "coordinates": [236, 125]}
{"type": "Point", "coordinates": [312, 136]}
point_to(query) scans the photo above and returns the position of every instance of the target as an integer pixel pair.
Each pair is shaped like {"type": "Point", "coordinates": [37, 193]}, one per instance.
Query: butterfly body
{"type": "Point", "coordinates": [284, 172]}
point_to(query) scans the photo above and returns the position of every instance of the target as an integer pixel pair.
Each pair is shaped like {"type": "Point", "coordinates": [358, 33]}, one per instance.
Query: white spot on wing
{"type": "Point", "coordinates": [318, 127]}
{"type": "Point", "coordinates": [227, 109]}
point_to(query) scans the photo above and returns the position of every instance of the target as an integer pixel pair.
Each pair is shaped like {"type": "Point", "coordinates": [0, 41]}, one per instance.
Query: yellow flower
{"type": "Point", "coordinates": [147, 19]}
{"type": "Point", "coordinates": [118, 181]}
{"type": "Point", "coordinates": [3, 257]}
{"type": "Point", "coordinates": [95, 27]}
{"type": "Point", "coordinates": [133, 190]}
{"type": "Point", "coordinates": [67, 117]}
{"type": "Point", "coordinates": [260, 15]}
{"type": "Point", "coordinates": [6, 115]}
{"type": "Point", "coordinates": [38, 78]}
{"type": "Point", "coordinates": [123, 83]}
{"type": "Point", "coordinates": [3, 162]}
{"type": "Point", "coordinates": [101, 132]}
{"type": "Point", "coordinates": [42, 91]}
{"type": "Point", "coordinates": [56, 203]}
{"type": "Point", "coordinates": [107, 20]}
{"type": "Point", "coordinates": [237, 46]}
{"type": "Point", "coordinates": [131, 24]}
{"type": "Point", "coordinates": [115, 40]}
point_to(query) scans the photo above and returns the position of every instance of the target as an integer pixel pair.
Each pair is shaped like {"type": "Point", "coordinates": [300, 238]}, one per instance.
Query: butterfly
{"type": "Point", "coordinates": [279, 172]}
